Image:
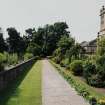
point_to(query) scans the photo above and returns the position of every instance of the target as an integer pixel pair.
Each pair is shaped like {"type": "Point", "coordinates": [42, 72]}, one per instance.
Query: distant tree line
{"type": "Point", "coordinates": [41, 42]}
{"type": "Point", "coordinates": [51, 40]}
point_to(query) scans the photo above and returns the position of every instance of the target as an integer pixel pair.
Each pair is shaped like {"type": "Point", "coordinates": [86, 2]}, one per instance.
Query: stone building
{"type": "Point", "coordinates": [90, 47]}
{"type": "Point", "coordinates": [102, 23]}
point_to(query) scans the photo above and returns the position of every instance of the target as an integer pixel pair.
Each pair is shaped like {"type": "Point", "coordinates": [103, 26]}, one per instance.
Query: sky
{"type": "Point", "coordinates": [82, 16]}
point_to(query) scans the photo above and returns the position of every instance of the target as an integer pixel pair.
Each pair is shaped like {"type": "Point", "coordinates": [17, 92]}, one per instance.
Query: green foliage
{"type": "Point", "coordinates": [101, 46]}
{"type": "Point", "coordinates": [57, 52]}
{"type": "Point", "coordinates": [25, 88]}
{"type": "Point", "coordinates": [57, 59]}
{"type": "Point", "coordinates": [52, 34]}
{"type": "Point", "coordinates": [92, 100]}
{"type": "Point", "coordinates": [65, 63]}
{"type": "Point", "coordinates": [3, 45]}
{"type": "Point", "coordinates": [95, 81]}
{"type": "Point", "coordinates": [57, 55]}
{"type": "Point", "coordinates": [77, 67]}
{"type": "Point", "coordinates": [93, 58]}
{"type": "Point", "coordinates": [101, 60]}
{"type": "Point", "coordinates": [64, 46]}
{"type": "Point", "coordinates": [94, 73]}
{"type": "Point", "coordinates": [15, 41]}
{"type": "Point", "coordinates": [30, 34]}
{"type": "Point", "coordinates": [34, 49]}
{"type": "Point", "coordinates": [100, 71]}
{"type": "Point", "coordinates": [101, 102]}
{"type": "Point", "coordinates": [2, 60]}
{"type": "Point", "coordinates": [81, 87]}
{"type": "Point", "coordinates": [28, 56]}
{"type": "Point", "coordinates": [76, 51]}
{"type": "Point", "coordinates": [47, 37]}
{"type": "Point", "coordinates": [65, 42]}
{"type": "Point", "coordinates": [89, 70]}
{"type": "Point", "coordinates": [61, 29]}
{"type": "Point", "coordinates": [12, 59]}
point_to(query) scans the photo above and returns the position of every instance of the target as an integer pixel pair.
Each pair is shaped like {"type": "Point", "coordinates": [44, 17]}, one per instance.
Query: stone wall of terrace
{"type": "Point", "coordinates": [8, 76]}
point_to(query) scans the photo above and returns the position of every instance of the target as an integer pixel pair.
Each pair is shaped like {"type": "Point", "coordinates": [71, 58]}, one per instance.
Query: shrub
{"type": "Point", "coordinates": [101, 71]}
{"type": "Point", "coordinates": [82, 90]}
{"type": "Point", "coordinates": [2, 60]}
{"type": "Point", "coordinates": [101, 60]}
{"type": "Point", "coordinates": [34, 49]}
{"type": "Point", "coordinates": [12, 59]}
{"type": "Point", "coordinates": [57, 59]}
{"type": "Point", "coordinates": [77, 67]}
{"type": "Point", "coordinates": [57, 56]}
{"type": "Point", "coordinates": [95, 81]}
{"type": "Point", "coordinates": [92, 100]}
{"type": "Point", "coordinates": [62, 63]}
{"type": "Point", "coordinates": [65, 63]}
{"type": "Point", "coordinates": [101, 102]}
{"type": "Point", "coordinates": [28, 56]}
{"type": "Point", "coordinates": [6, 57]}
{"type": "Point", "coordinates": [89, 70]}
{"type": "Point", "coordinates": [94, 74]}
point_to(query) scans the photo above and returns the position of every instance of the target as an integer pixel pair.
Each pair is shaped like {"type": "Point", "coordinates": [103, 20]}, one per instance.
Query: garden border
{"type": "Point", "coordinates": [82, 90]}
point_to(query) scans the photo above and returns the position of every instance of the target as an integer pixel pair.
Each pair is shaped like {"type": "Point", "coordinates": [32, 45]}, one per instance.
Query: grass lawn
{"type": "Point", "coordinates": [28, 92]}
{"type": "Point", "coordinates": [79, 82]}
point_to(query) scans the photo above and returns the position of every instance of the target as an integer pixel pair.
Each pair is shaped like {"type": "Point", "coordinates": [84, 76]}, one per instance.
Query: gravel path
{"type": "Point", "coordinates": [55, 90]}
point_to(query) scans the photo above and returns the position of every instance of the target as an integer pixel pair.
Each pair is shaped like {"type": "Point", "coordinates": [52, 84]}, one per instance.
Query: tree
{"type": "Point", "coordinates": [16, 42]}
{"type": "Point", "coordinates": [65, 43]}
{"type": "Point", "coordinates": [34, 49]}
{"type": "Point", "coordinates": [48, 36]}
{"type": "Point", "coordinates": [38, 37]}
{"type": "Point", "coordinates": [60, 29]}
{"type": "Point", "coordinates": [63, 46]}
{"type": "Point", "coordinates": [3, 46]}
{"type": "Point", "coordinates": [77, 51]}
{"type": "Point", "coordinates": [30, 32]}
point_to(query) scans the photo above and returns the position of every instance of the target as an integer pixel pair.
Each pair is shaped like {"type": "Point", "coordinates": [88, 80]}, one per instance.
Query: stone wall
{"type": "Point", "coordinates": [6, 77]}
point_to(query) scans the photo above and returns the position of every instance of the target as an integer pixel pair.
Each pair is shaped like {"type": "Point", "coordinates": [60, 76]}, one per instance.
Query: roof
{"type": "Point", "coordinates": [90, 43]}
{"type": "Point", "coordinates": [84, 43]}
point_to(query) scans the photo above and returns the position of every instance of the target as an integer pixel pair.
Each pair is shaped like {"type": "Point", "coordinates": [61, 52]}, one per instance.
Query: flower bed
{"type": "Point", "coordinates": [81, 87]}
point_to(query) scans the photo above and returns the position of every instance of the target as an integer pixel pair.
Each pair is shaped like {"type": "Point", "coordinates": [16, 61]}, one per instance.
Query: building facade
{"type": "Point", "coordinates": [90, 47]}
{"type": "Point", "coordinates": [102, 23]}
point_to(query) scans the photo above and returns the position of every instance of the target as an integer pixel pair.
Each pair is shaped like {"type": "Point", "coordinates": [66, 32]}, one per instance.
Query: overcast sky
{"type": "Point", "coordinates": [82, 16]}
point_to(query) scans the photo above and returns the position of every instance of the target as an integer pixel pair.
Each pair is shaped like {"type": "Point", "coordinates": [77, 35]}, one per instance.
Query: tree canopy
{"type": "Point", "coordinates": [42, 42]}
{"type": "Point", "coordinates": [15, 41]}
{"type": "Point", "coordinates": [3, 45]}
